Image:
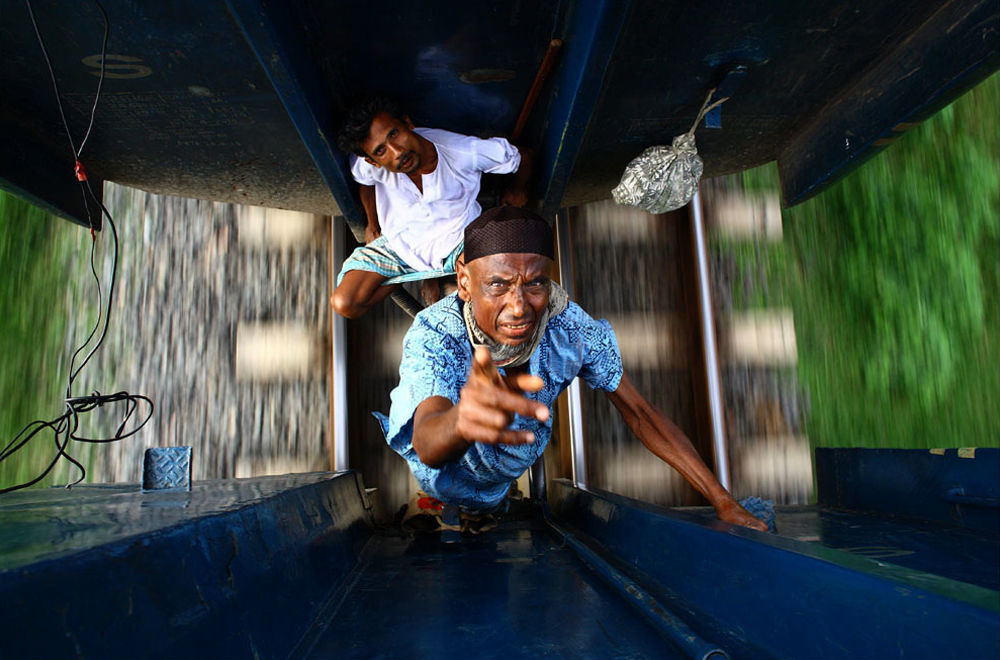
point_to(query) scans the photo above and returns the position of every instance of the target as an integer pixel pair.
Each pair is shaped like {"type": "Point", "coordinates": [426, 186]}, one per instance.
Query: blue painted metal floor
{"type": "Point", "coordinates": [939, 549]}
{"type": "Point", "coordinates": [511, 593]}
{"type": "Point", "coordinates": [282, 567]}
{"type": "Point", "coordinates": [945, 550]}
{"type": "Point", "coordinates": [51, 523]}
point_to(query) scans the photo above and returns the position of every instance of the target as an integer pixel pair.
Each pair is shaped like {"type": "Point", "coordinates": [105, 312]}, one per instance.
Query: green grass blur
{"type": "Point", "coordinates": [32, 328]}
{"type": "Point", "coordinates": [893, 275]}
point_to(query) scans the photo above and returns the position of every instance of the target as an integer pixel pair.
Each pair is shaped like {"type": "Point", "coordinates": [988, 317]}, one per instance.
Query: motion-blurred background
{"type": "Point", "coordinates": [867, 316]}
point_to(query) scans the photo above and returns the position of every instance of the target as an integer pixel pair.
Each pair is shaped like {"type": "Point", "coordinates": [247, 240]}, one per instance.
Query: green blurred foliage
{"type": "Point", "coordinates": [32, 323]}
{"type": "Point", "coordinates": [894, 282]}
{"type": "Point", "coordinates": [758, 270]}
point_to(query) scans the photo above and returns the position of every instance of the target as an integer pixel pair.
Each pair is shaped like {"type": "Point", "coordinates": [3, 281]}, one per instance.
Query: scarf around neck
{"type": "Point", "coordinates": [505, 355]}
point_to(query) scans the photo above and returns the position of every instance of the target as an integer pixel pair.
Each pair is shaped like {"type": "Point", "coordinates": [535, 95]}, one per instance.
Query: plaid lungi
{"type": "Point", "coordinates": [378, 257]}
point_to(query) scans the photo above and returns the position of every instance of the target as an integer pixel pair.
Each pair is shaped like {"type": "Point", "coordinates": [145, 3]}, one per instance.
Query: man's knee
{"type": "Point", "coordinates": [346, 304]}
{"type": "Point", "coordinates": [357, 291]}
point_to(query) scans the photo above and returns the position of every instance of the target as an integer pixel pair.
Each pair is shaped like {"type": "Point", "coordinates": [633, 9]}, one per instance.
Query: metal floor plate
{"type": "Point", "coordinates": [511, 593]}
{"type": "Point", "coordinates": [949, 551]}
{"type": "Point", "coordinates": [931, 547]}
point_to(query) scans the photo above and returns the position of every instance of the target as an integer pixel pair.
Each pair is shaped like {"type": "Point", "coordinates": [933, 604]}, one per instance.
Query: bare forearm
{"type": "Point", "coordinates": [525, 169]}
{"type": "Point", "coordinates": [367, 194]}
{"type": "Point", "coordinates": [443, 431]}
{"type": "Point", "coordinates": [668, 442]}
{"type": "Point", "coordinates": [663, 438]}
{"type": "Point", "coordinates": [516, 194]}
{"type": "Point", "coordinates": [435, 436]}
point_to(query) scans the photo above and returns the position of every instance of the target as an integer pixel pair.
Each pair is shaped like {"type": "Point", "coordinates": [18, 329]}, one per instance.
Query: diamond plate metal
{"type": "Point", "coordinates": [166, 468]}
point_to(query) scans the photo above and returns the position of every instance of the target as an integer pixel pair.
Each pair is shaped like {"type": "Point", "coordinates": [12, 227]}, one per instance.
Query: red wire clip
{"type": "Point", "coordinates": [81, 176]}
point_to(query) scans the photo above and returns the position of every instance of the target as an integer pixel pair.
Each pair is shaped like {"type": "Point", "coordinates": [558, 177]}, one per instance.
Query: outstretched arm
{"type": "Point", "coordinates": [516, 194]}
{"type": "Point", "coordinates": [442, 431]}
{"type": "Point", "coordinates": [663, 438]}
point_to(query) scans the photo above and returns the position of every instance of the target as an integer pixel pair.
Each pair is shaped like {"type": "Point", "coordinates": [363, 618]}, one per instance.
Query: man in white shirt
{"type": "Point", "coordinates": [418, 188]}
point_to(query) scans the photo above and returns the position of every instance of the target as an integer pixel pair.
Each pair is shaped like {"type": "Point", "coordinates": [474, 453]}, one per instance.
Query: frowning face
{"type": "Point", "coordinates": [392, 144]}
{"type": "Point", "coordinates": [508, 292]}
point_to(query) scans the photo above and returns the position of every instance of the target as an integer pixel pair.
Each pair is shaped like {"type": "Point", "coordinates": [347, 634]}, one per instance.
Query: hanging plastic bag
{"type": "Point", "coordinates": [664, 178]}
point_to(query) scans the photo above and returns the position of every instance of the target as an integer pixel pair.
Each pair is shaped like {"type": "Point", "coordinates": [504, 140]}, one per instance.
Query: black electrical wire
{"type": "Point", "coordinates": [100, 307]}
{"type": "Point", "coordinates": [64, 428]}
{"type": "Point", "coordinates": [100, 80]}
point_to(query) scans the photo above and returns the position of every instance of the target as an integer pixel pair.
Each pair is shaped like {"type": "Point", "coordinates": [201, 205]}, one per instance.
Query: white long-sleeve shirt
{"type": "Point", "coordinates": [424, 228]}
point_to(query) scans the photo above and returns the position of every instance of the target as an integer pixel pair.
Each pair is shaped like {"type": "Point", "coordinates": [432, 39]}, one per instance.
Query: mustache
{"type": "Point", "coordinates": [399, 162]}
{"type": "Point", "coordinates": [524, 318]}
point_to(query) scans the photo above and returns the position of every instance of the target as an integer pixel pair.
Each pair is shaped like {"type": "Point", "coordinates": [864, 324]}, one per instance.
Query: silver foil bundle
{"type": "Point", "coordinates": [664, 178]}
{"type": "Point", "coordinates": [661, 178]}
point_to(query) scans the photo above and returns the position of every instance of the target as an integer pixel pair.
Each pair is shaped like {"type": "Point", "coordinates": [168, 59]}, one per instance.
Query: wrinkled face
{"type": "Point", "coordinates": [508, 292]}
{"type": "Point", "coordinates": [392, 144]}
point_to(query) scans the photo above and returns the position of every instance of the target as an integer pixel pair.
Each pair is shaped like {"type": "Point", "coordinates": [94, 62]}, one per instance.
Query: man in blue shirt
{"type": "Point", "coordinates": [481, 370]}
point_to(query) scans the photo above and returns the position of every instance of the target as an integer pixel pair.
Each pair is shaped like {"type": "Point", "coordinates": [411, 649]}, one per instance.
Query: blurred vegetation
{"type": "Point", "coordinates": [32, 324]}
{"type": "Point", "coordinates": [893, 275]}
{"type": "Point", "coordinates": [37, 295]}
{"type": "Point", "coordinates": [759, 271]}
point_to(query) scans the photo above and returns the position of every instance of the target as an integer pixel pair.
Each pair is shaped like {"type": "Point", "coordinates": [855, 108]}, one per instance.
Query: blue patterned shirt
{"type": "Point", "coordinates": [436, 358]}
